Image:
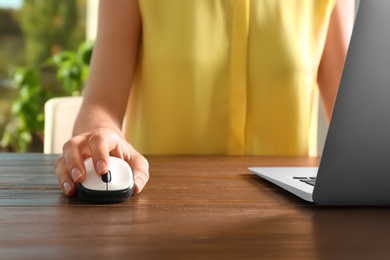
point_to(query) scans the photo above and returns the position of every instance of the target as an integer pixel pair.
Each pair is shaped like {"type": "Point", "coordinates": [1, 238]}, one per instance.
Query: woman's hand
{"type": "Point", "coordinates": [99, 145]}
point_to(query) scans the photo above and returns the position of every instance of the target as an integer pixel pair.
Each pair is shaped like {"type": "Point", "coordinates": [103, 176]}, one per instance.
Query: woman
{"type": "Point", "coordinates": [206, 77]}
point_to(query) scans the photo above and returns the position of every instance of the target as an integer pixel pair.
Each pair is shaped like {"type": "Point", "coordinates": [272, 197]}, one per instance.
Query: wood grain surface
{"type": "Point", "coordinates": [194, 207]}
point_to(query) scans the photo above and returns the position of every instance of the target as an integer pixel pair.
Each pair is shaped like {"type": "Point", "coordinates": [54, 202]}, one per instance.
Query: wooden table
{"type": "Point", "coordinates": [194, 207]}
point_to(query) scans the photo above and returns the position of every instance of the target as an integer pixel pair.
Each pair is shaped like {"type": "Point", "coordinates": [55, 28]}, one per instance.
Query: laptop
{"type": "Point", "coordinates": [355, 163]}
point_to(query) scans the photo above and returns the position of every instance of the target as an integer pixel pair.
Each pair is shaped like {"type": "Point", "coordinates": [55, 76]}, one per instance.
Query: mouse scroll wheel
{"type": "Point", "coordinates": [106, 177]}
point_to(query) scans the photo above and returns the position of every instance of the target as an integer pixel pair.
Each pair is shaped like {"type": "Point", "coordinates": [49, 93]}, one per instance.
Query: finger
{"type": "Point", "coordinates": [101, 143]}
{"type": "Point", "coordinates": [140, 167]}
{"type": "Point", "coordinates": [73, 152]}
{"type": "Point", "coordinates": [67, 185]}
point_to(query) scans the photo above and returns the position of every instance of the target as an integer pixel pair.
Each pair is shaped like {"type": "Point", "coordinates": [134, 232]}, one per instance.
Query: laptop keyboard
{"type": "Point", "coordinates": [309, 180]}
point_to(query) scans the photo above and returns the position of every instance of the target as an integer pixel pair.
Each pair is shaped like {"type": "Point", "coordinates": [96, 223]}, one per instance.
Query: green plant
{"type": "Point", "coordinates": [63, 74]}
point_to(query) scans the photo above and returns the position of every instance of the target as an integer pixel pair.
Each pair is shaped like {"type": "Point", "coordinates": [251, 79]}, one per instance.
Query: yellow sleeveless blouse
{"type": "Point", "coordinates": [228, 77]}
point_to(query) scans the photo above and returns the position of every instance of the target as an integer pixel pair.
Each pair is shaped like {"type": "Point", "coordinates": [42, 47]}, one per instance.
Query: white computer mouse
{"type": "Point", "coordinates": [115, 186]}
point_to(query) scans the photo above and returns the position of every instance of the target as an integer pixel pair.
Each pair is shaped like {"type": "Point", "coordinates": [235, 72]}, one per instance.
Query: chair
{"type": "Point", "coordinates": [60, 115]}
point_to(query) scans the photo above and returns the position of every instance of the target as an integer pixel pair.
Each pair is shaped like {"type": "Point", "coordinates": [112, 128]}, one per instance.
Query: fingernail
{"type": "Point", "coordinates": [138, 183]}
{"type": "Point", "coordinates": [76, 174]}
{"type": "Point", "coordinates": [100, 167]}
{"type": "Point", "coordinates": [67, 187]}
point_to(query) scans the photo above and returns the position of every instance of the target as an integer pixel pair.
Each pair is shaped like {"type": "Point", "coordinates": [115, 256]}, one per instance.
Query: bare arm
{"type": "Point", "coordinates": [112, 67]}
{"type": "Point", "coordinates": [335, 50]}
{"type": "Point", "coordinates": [97, 130]}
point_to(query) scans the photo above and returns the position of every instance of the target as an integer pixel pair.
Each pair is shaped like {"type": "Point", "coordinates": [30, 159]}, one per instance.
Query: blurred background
{"type": "Point", "coordinates": [45, 47]}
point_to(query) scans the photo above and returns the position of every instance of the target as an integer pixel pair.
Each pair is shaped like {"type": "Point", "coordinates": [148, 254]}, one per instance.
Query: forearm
{"type": "Point", "coordinates": [113, 66]}
{"type": "Point", "coordinates": [335, 51]}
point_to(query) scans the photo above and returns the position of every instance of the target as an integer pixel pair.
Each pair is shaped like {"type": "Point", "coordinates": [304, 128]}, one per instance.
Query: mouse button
{"type": "Point", "coordinates": [122, 182]}
{"type": "Point", "coordinates": [120, 166]}
{"type": "Point", "coordinates": [121, 177]}
{"type": "Point", "coordinates": [92, 181]}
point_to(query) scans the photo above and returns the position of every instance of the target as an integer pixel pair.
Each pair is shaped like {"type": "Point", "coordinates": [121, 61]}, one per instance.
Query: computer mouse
{"type": "Point", "coordinates": [116, 185]}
